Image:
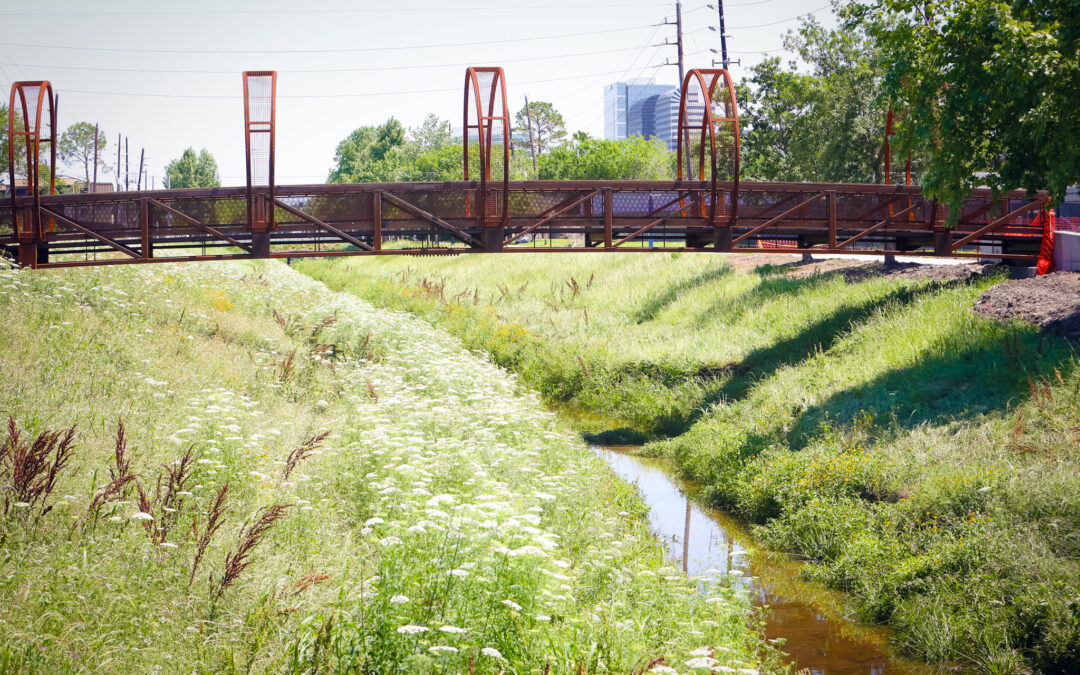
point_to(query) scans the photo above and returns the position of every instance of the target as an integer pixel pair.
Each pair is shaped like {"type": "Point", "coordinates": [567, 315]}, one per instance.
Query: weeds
{"type": "Point", "coordinates": [29, 471]}
{"type": "Point", "coordinates": [251, 535]}
{"type": "Point", "coordinates": [215, 518]}
{"type": "Point", "coordinates": [303, 452]}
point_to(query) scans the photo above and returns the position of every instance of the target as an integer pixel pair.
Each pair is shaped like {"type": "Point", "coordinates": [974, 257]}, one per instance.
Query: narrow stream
{"type": "Point", "coordinates": [808, 617]}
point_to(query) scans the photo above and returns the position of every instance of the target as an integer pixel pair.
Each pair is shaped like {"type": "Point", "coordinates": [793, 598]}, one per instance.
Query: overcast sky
{"type": "Point", "coordinates": [170, 78]}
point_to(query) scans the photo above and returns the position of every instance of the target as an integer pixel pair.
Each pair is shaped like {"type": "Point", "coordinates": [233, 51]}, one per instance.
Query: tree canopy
{"type": "Point", "coordinates": [548, 128]}
{"type": "Point", "coordinates": [370, 154]}
{"type": "Point", "coordinates": [827, 124]}
{"type": "Point", "coordinates": [77, 149]}
{"type": "Point", "coordinates": [191, 171]}
{"type": "Point", "coordinates": [586, 157]}
{"type": "Point", "coordinates": [987, 89]}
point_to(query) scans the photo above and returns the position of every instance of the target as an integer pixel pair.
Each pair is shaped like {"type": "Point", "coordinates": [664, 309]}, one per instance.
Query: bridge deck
{"type": "Point", "coordinates": [413, 218]}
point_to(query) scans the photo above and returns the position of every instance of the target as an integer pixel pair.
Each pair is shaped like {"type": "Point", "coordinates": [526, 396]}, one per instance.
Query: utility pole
{"type": "Point", "coordinates": [142, 156]}
{"type": "Point", "coordinates": [127, 174]}
{"type": "Point", "coordinates": [119, 146]}
{"type": "Point", "coordinates": [532, 145]}
{"type": "Point", "coordinates": [678, 40]}
{"type": "Point", "coordinates": [93, 186]}
{"type": "Point", "coordinates": [725, 62]}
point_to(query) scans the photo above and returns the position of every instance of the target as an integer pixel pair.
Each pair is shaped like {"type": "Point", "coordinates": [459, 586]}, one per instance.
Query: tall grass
{"type": "Point", "coordinates": [917, 456]}
{"type": "Point", "coordinates": [268, 476]}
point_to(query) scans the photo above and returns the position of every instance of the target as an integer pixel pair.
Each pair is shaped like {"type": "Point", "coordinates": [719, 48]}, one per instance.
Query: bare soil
{"type": "Point", "coordinates": [1052, 302]}
{"type": "Point", "coordinates": [854, 269]}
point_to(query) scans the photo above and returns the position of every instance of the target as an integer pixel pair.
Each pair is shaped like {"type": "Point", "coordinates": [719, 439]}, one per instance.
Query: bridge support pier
{"type": "Point", "coordinates": [31, 255]}
{"type": "Point", "coordinates": [493, 238]}
{"type": "Point", "coordinates": [260, 244]}
{"type": "Point", "coordinates": [722, 239]}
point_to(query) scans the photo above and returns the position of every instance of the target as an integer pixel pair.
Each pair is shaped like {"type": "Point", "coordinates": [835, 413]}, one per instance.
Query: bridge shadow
{"type": "Point", "coordinates": [816, 337]}
{"type": "Point", "coordinates": [945, 385]}
{"type": "Point", "coordinates": [774, 284]}
{"type": "Point", "coordinates": [662, 301]}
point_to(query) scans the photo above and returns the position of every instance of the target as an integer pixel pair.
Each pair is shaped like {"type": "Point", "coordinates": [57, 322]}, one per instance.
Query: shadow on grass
{"type": "Point", "coordinates": [943, 387]}
{"type": "Point", "coordinates": [818, 336]}
{"type": "Point", "coordinates": [771, 287]}
{"type": "Point", "coordinates": [660, 301]}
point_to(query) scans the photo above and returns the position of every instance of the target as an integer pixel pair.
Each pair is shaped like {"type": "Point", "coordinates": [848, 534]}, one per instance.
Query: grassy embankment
{"type": "Point", "coordinates": [924, 458]}
{"type": "Point", "coordinates": [445, 523]}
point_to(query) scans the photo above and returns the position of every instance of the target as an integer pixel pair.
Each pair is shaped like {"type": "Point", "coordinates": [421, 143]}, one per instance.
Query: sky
{"type": "Point", "coordinates": [168, 76]}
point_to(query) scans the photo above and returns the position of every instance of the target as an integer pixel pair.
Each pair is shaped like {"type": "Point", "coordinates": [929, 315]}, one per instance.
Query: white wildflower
{"type": "Point", "coordinates": [410, 629]}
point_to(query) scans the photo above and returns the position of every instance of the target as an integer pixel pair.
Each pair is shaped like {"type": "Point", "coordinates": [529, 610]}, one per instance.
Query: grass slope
{"type": "Point", "coordinates": [446, 524]}
{"type": "Point", "coordinates": [923, 458]}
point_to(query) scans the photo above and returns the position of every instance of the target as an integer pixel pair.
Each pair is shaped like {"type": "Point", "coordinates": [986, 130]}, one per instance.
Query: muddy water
{"type": "Point", "coordinates": [809, 618]}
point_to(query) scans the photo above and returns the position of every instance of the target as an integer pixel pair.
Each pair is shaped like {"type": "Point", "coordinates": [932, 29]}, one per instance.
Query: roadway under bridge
{"type": "Point", "coordinates": [708, 209]}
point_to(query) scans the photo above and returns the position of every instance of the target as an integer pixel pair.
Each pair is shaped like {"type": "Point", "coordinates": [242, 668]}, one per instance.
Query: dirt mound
{"type": "Point", "coordinates": [1052, 302]}
{"type": "Point", "coordinates": [854, 269]}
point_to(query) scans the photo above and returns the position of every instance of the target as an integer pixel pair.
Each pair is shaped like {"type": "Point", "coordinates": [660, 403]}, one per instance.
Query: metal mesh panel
{"type": "Point", "coordinates": [260, 118]}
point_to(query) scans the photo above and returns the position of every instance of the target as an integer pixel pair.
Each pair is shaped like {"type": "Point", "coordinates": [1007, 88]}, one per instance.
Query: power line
{"type": "Point", "coordinates": [350, 10]}
{"type": "Point", "coordinates": [340, 95]}
{"type": "Point", "coordinates": [315, 70]}
{"type": "Point", "coordinates": [780, 21]}
{"type": "Point", "coordinates": [326, 51]}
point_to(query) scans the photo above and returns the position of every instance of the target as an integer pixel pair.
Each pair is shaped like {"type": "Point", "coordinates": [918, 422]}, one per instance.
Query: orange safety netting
{"type": "Point", "coordinates": [1046, 251]}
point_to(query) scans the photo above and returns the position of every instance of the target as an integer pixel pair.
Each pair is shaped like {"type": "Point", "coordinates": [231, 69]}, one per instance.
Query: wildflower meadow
{"type": "Point", "coordinates": [218, 468]}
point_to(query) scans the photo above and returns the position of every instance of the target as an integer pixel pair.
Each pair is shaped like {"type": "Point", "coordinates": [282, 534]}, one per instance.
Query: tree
{"type": "Point", "coordinates": [547, 125]}
{"type": "Point", "coordinates": [370, 155]}
{"type": "Point", "coordinates": [826, 125]}
{"type": "Point", "coordinates": [988, 89]}
{"type": "Point", "coordinates": [587, 158]}
{"type": "Point", "coordinates": [77, 149]}
{"type": "Point", "coordinates": [191, 171]}
{"type": "Point", "coordinates": [433, 134]}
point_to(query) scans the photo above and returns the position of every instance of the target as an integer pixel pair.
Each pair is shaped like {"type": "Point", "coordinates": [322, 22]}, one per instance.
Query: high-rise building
{"type": "Point", "coordinates": [643, 108]}
{"type": "Point", "coordinates": [620, 101]}
{"type": "Point", "coordinates": [666, 115]}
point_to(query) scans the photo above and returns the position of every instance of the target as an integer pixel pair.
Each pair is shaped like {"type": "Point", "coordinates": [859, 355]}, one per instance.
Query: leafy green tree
{"type": "Point", "coordinates": [437, 164]}
{"type": "Point", "coordinates": [191, 171]}
{"type": "Point", "coordinates": [548, 127]}
{"type": "Point", "coordinates": [371, 155]}
{"type": "Point", "coordinates": [593, 158]}
{"type": "Point", "coordinates": [77, 149]}
{"type": "Point", "coordinates": [989, 89]}
{"type": "Point", "coordinates": [827, 124]}
{"type": "Point", "coordinates": [432, 134]}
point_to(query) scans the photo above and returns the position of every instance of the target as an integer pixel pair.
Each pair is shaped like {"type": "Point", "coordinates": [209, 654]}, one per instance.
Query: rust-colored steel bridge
{"type": "Point", "coordinates": [707, 209]}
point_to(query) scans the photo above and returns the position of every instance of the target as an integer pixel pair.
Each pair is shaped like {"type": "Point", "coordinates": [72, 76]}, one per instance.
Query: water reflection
{"type": "Point", "coordinates": [707, 544]}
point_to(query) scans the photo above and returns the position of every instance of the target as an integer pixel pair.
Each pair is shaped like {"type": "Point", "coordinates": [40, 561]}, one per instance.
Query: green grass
{"type": "Point", "coordinates": [921, 458]}
{"type": "Point", "coordinates": [446, 523]}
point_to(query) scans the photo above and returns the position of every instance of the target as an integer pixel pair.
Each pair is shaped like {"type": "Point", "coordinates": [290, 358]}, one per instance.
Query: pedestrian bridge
{"type": "Point", "coordinates": [707, 209]}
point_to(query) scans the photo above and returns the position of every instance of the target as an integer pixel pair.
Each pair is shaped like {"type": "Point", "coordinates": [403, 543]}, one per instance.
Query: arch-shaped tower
{"type": "Point", "coordinates": [708, 134]}
{"type": "Point", "coordinates": [487, 112]}
{"type": "Point", "coordinates": [30, 106]}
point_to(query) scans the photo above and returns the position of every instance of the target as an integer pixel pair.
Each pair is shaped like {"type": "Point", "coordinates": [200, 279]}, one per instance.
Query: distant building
{"type": "Point", "coordinates": [642, 108]}
{"type": "Point", "coordinates": [624, 116]}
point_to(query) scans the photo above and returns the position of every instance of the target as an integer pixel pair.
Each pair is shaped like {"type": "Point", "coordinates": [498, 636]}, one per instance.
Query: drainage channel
{"type": "Point", "coordinates": [809, 618]}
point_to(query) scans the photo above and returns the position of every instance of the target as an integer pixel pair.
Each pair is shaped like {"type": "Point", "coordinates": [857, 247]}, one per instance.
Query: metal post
{"type": "Point", "coordinates": [376, 217]}
{"type": "Point", "coordinates": [832, 220]}
{"type": "Point", "coordinates": [93, 186]}
{"type": "Point", "coordinates": [608, 216]}
{"type": "Point", "coordinates": [144, 229]}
